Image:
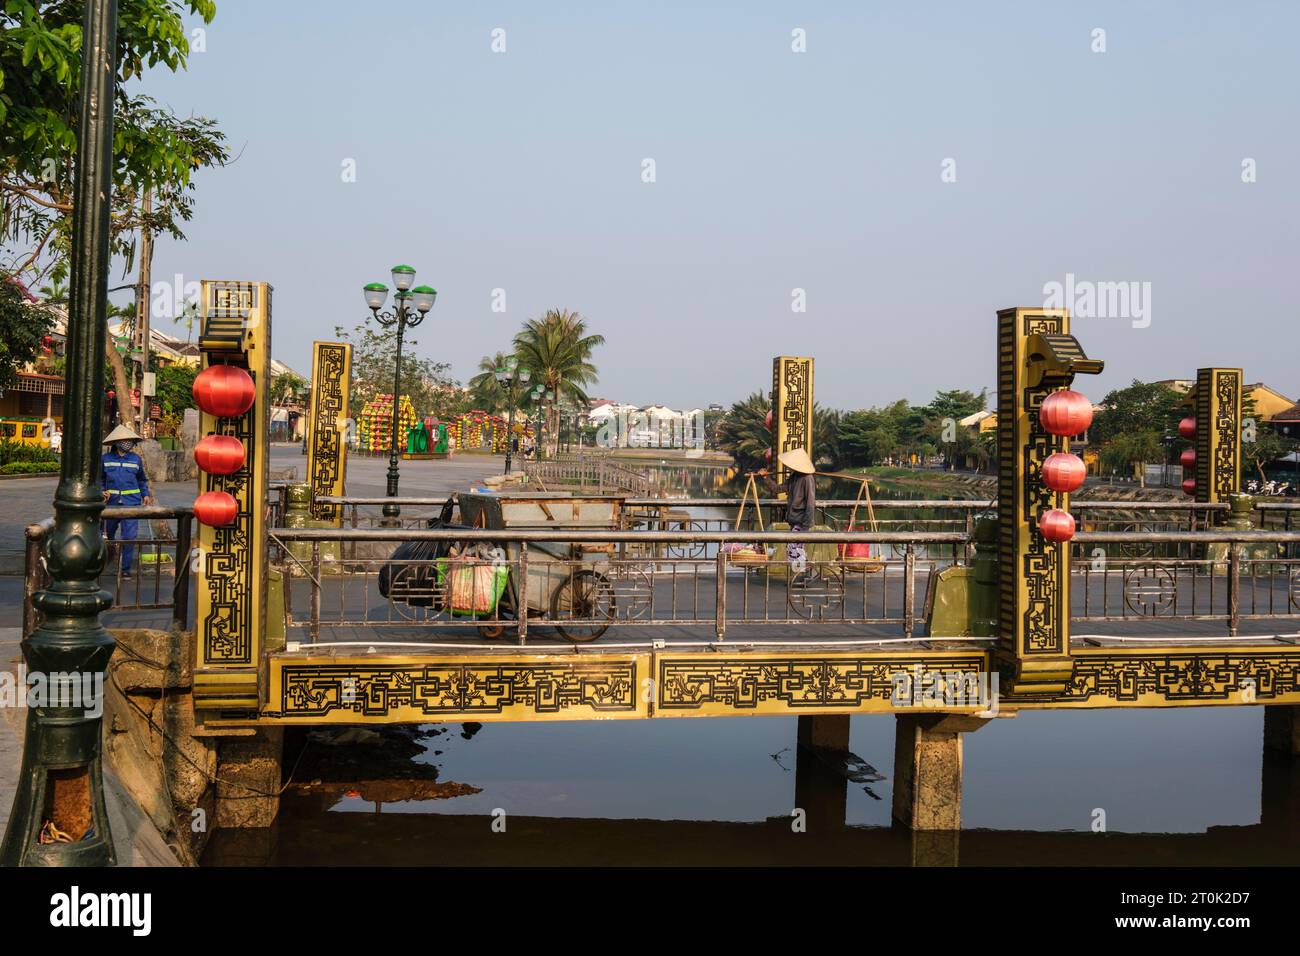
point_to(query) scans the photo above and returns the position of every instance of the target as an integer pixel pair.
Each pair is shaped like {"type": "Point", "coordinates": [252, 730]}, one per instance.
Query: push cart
{"type": "Point", "coordinates": [567, 581]}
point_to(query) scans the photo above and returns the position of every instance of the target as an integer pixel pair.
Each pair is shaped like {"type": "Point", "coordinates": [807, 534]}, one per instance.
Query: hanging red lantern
{"type": "Point", "coordinates": [1187, 428]}
{"type": "Point", "coordinates": [1189, 486]}
{"type": "Point", "coordinates": [768, 419]}
{"type": "Point", "coordinates": [1056, 525]}
{"type": "Point", "coordinates": [226, 391]}
{"type": "Point", "coordinates": [1064, 472]}
{"type": "Point", "coordinates": [219, 454]}
{"type": "Point", "coordinates": [216, 508]}
{"type": "Point", "coordinates": [1065, 412]}
{"type": "Point", "coordinates": [1187, 459]}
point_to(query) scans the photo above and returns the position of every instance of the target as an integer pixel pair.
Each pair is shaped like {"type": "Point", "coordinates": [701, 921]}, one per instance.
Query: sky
{"type": "Point", "coordinates": [871, 201]}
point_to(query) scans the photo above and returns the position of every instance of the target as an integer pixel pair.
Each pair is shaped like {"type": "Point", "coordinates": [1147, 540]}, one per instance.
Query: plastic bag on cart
{"type": "Point", "coordinates": [418, 584]}
{"type": "Point", "coordinates": [476, 579]}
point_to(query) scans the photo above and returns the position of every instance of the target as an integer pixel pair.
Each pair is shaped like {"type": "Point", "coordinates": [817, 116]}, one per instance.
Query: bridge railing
{"type": "Point", "coordinates": [679, 578]}
{"type": "Point", "coordinates": [580, 581]}
{"type": "Point", "coordinates": [161, 577]}
{"type": "Point", "coordinates": [1223, 575]}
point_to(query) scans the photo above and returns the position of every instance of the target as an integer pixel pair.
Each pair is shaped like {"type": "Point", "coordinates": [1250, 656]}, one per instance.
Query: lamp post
{"type": "Point", "coordinates": [59, 817]}
{"type": "Point", "coordinates": [407, 302]}
{"type": "Point", "coordinates": [509, 375]}
{"type": "Point", "coordinates": [536, 396]}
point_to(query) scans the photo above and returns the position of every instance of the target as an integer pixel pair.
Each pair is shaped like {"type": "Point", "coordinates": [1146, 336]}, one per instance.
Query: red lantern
{"type": "Point", "coordinates": [1189, 486]}
{"type": "Point", "coordinates": [1066, 412]}
{"type": "Point", "coordinates": [219, 454]}
{"type": "Point", "coordinates": [768, 420]}
{"type": "Point", "coordinates": [1188, 459]}
{"type": "Point", "coordinates": [1187, 428]}
{"type": "Point", "coordinates": [226, 391]}
{"type": "Point", "coordinates": [1056, 525]}
{"type": "Point", "coordinates": [216, 508]}
{"type": "Point", "coordinates": [1063, 472]}
{"type": "Point", "coordinates": [767, 455]}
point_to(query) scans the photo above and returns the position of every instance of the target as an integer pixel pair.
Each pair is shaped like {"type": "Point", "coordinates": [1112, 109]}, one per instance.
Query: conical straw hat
{"type": "Point", "coordinates": [121, 433]}
{"type": "Point", "coordinates": [796, 459]}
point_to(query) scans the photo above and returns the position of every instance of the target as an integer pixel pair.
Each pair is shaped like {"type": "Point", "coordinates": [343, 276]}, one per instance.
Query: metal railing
{"type": "Point", "coordinates": [589, 473]}
{"type": "Point", "coordinates": [682, 577]}
{"type": "Point", "coordinates": [162, 565]}
{"type": "Point", "coordinates": [1191, 576]}
{"type": "Point", "coordinates": [588, 580]}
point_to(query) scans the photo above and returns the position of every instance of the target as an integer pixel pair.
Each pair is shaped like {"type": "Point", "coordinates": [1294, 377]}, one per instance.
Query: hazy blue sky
{"type": "Point", "coordinates": [775, 171]}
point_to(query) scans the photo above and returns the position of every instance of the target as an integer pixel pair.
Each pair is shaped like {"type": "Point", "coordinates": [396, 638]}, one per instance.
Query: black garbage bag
{"type": "Point", "coordinates": [415, 584]}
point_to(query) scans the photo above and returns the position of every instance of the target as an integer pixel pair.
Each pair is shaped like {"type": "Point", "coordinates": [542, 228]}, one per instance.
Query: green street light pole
{"type": "Point", "coordinates": [510, 375]}
{"type": "Point", "coordinates": [406, 303]}
{"type": "Point", "coordinates": [60, 793]}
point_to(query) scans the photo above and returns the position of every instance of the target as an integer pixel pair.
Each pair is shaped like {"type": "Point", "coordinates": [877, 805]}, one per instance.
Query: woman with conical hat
{"type": "Point", "coordinates": [801, 501]}
{"type": "Point", "coordinates": [121, 475]}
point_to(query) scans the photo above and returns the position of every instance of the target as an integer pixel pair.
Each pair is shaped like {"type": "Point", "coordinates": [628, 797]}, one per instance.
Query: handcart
{"type": "Point", "coordinates": [567, 581]}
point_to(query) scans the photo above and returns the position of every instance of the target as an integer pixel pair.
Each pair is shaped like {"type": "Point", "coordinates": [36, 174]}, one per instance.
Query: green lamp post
{"type": "Point", "coordinates": [410, 306]}
{"type": "Point", "coordinates": [59, 817]}
{"type": "Point", "coordinates": [509, 376]}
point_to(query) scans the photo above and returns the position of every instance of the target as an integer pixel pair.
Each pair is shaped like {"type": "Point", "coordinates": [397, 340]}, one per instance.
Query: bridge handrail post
{"type": "Point", "coordinates": [314, 629]}
{"type": "Point", "coordinates": [720, 596]}
{"type": "Point", "coordinates": [181, 582]}
{"type": "Point", "coordinates": [909, 590]}
{"type": "Point", "coordinates": [1234, 588]}
{"type": "Point", "coordinates": [521, 594]}
{"type": "Point", "coordinates": [34, 573]}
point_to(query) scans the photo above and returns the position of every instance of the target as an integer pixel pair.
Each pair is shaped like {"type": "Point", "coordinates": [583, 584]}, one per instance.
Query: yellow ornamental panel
{"type": "Point", "coordinates": [230, 560]}
{"type": "Point", "coordinates": [327, 426]}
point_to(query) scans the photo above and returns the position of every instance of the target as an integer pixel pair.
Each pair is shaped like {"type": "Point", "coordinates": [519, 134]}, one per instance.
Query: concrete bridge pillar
{"type": "Point", "coordinates": [248, 779]}
{"type": "Point", "coordinates": [818, 790]}
{"type": "Point", "coordinates": [1282, 729]}
{"type": "Point", "coordinates": [927, 769]}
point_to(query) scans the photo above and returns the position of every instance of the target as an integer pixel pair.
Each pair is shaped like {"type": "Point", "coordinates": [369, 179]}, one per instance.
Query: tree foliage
{"type": "Point", "coordinates": [427, 383]}
{"type": "Point", "coordinates": [23, 324]}
{"type": "Point", "coordinates": [557, 348]}
{"type": "Point", "coordinates": [156, 151]}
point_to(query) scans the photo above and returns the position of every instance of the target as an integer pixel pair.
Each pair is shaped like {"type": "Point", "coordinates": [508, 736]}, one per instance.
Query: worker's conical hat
{"type": "Point", "coordinates": [796, 459]}
{"type": "Point", "coordinates": [121, 433]}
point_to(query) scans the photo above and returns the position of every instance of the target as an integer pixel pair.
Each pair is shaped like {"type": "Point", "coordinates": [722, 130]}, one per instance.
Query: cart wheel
{"type": "Point", "coordinates": [586, 600]}
{"type": "Point", "coordinates": [491, 632]}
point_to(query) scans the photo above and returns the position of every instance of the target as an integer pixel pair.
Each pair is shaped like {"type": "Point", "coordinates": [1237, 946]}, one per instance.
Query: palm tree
{"type": "Point", "coordinates": [56, 293]}
{"type": "Point", "coordinates": [743, 432]}
{"type": "Point", "coordinates": [486, 390]}
{"type": "Point", "coordinates": [558, 350]}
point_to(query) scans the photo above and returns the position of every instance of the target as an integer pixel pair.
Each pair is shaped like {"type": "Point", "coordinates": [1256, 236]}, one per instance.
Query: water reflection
{"type": "Point", "coordinates": [1176, 788]}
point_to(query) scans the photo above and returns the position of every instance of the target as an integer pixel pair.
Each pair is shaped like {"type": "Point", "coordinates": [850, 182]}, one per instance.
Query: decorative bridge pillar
{"type": "Point", "coordinates": [233, 394]}
{"type": "Point", "coordinates": [1212, 464]}
{"type": "Point", "coordinates": [1037, 358]}
{"type": "Point", "coordinates": [327, 424]}
{"type": "Point", "coordinates": [792, 411]}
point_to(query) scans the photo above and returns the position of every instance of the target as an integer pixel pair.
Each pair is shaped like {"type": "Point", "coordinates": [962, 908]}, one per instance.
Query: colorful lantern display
{"type": "Point", "coordinates": [226, 391]}
{"type": "Point", "coordinates": [1064, 472]}
{"type": "Point", "coordinates": [216, 508]}
{"type": "Point", "coordinates": [375, 423]}
{"type": "Point", "coordinates": [219, 454]}
{"type": "Point", "coordinates": [1056, 525]}
{"type": "Point", "coordinates": [1066, 413]}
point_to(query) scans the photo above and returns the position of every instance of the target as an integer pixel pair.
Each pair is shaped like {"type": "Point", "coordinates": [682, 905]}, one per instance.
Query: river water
{"type": "Point", "coordinates": [1190, 786]}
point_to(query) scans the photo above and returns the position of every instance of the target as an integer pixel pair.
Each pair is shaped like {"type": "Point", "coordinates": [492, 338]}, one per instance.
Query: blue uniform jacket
{"type": "Point", "coordinates": [123, 477]}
